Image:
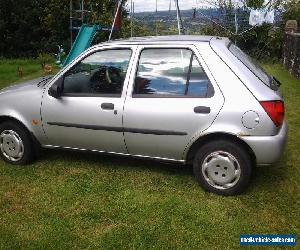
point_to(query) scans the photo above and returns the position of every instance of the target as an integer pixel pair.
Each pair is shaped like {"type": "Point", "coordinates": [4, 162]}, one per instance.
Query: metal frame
{"type": "Point", "coordinates": [82, 11]}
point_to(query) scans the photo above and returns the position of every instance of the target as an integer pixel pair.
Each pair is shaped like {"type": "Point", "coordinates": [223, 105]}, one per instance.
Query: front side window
{"type": "Point", "coordinates": [102, 73]}
{"type": "Point", "coordinates": [171, 72]}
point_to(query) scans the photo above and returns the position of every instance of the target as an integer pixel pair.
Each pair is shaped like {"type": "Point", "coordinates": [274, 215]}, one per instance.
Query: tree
{"type": "Point", "coordinates": [291, 11]}
{"type": "Point", "coordinates": [18, 28]}
{"type": "Point", "coordinates": [264, 41]}
{"type": "Point", "coordinates": [29, 27]}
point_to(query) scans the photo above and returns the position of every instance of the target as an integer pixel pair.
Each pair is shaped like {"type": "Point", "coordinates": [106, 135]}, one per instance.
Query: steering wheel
{"type": "Point", "coordinates": [107, 75]}
{"type": "Point", "coordinates": [113, 75]}
{"type": "Point", "coordinates": [105, 80]}
{"type": "Point", "coordinates": [97, 79]}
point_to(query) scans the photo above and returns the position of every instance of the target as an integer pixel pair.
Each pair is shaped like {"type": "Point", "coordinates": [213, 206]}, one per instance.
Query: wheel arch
{"type": "Point", "coordinates": [191, 152]}
{"type": "Point", "coordinates": [5, 118]}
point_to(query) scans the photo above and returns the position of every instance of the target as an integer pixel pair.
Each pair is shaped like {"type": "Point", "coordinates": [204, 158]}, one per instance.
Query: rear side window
{"type": "Point", "coordinates": [254, 67]}
{"type": "Point", "coordinates": [170, 73]}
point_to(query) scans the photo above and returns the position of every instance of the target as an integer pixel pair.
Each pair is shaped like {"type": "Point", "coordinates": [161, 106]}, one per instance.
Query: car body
{"type": "Point", "coordinates": [167, 98]}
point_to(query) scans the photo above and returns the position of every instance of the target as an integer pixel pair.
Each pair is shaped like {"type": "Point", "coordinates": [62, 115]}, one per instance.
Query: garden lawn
{"type": "Point", "coordinates": [77, 200]}
{"type": "Point", "coordinates": [9, 70]}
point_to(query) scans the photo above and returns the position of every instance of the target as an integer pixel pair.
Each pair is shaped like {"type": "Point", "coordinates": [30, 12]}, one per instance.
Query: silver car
{"type": "Point", "coordinates": [185, 99]}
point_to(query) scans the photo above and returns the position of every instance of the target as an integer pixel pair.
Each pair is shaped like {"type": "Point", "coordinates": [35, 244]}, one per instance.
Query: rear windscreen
{"type": "Point", "coordinates": [254, 67]}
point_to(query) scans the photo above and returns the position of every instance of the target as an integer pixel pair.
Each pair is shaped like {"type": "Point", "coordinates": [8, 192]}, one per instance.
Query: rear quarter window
{"type": "Point", "coordinates": [253, 66]}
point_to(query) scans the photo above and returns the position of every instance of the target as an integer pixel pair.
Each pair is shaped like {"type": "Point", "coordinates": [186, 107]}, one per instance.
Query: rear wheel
{"type": "Point", "coordinates": [16, 146]}
{"type": "Point", "coordinates": [222, 167]}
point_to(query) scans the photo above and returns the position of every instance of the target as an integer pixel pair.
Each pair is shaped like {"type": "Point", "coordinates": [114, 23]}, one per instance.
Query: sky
{"type": "Point", "coordinates": [149, 5]}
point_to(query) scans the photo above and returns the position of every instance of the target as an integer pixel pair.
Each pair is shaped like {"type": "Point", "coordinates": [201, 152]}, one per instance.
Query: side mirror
{"type": "Point", "coordinates": [56, 89]}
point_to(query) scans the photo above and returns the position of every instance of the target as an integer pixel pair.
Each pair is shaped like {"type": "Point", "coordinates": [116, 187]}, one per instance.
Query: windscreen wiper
{"type": "Point", "coordinates": [277, 82]}
{"type": "Point", "coordinates": [44, 81]}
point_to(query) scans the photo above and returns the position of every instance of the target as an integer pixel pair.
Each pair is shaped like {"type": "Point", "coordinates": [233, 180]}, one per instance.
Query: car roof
{"type": "Point", "coordinates": [183, 39]}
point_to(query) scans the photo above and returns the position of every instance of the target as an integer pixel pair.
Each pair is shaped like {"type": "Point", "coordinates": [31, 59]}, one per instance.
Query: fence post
{"type": "Point", "coordinates": [291, 49]}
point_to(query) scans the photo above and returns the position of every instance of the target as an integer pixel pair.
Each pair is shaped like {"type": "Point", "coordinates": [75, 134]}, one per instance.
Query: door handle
{"type": "Point", "coordinates": [202, 110]}
{"type": "Point", "coordinates": [108, 106]}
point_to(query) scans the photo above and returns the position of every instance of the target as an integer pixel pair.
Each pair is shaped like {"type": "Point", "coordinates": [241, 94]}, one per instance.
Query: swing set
{"type": "Point", "coordinates": [82, 20]}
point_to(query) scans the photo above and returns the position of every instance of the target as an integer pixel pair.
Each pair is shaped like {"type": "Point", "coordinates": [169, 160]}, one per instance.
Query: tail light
{"type": "Point", "coordinates": [275, 109]}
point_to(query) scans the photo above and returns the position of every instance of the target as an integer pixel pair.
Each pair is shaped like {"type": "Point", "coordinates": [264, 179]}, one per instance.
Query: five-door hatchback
{"type": "Point", "coordinates": [186, 99]}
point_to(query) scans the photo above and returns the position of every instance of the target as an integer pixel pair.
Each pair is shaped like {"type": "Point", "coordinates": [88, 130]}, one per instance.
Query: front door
{"type": "Point", "coordinates": [173, 99]}
{"type": "Point", "coordinates": [88, 115]}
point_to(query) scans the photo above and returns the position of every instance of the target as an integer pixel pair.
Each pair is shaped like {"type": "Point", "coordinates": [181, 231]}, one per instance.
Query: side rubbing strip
{"type": "Point", "coordinates": [118, 129]}
{"type": "Point", "coordinates": [153, 132]}
{"type": "Point", "coordinates": [91, 127]}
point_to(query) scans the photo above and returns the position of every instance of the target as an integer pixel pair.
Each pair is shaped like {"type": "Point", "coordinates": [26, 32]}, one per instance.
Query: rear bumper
{"type": "Point", "coordinates": [268, 149]}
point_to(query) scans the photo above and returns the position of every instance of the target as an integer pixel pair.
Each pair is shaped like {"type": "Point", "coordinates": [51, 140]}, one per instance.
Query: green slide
{"type": "Point", "coordinates": [83, 41]}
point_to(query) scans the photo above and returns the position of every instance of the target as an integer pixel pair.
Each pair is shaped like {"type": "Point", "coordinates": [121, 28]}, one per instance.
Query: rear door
{"type": "Point", "coordinates": [171, 99]}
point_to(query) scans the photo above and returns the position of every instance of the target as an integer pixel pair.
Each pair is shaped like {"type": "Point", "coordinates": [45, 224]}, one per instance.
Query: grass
{"type": "Point", "coordinates": [76, 200]}
{"type": "Point", "coordinates": [9, 70]}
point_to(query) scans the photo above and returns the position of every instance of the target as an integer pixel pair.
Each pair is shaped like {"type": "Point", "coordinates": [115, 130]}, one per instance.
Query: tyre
{"type": "Point", "coordinates": [16, 146]}
{"type": "Point", "coordinates": [222, 167]}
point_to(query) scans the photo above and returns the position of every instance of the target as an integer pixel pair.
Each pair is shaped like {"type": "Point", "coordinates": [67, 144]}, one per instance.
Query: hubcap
{"type": "Point", "coordinates": [221, 170]}
{"type": "Point", "coordinates": [11, 145]}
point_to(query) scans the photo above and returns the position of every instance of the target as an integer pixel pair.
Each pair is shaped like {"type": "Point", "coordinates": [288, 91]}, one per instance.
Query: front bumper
{"type": "Point", "coordinates": [268, 149]}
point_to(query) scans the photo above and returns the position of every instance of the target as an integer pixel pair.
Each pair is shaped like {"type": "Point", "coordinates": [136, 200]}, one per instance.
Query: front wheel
{"type": "Point", "coordinates": [222, 167]}
{"type": "Point", "coordinates": [16, 146]}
